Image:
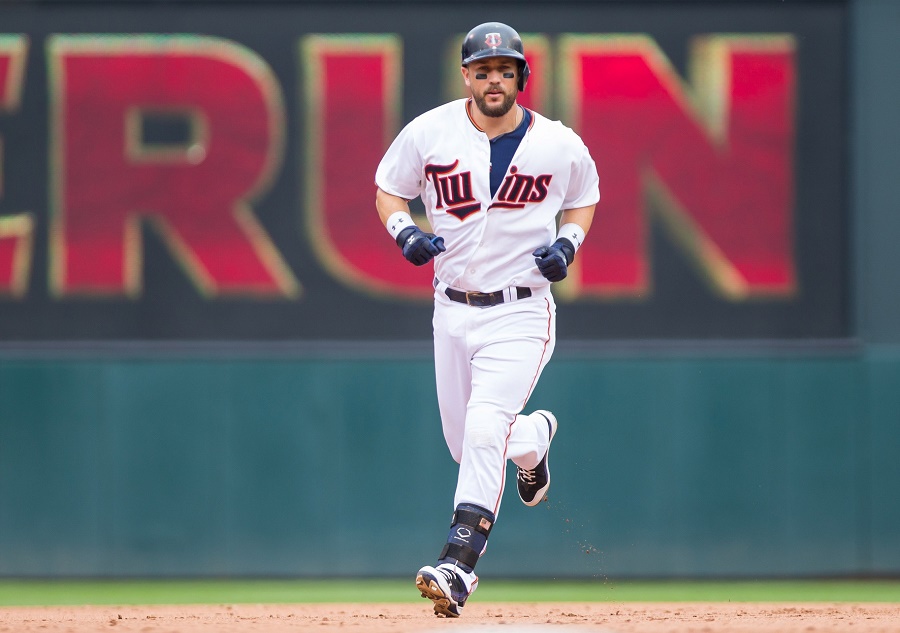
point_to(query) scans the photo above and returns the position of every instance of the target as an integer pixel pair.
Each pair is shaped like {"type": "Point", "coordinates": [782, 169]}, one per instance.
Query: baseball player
{"type": "Point", "coordinates": [493, 177]}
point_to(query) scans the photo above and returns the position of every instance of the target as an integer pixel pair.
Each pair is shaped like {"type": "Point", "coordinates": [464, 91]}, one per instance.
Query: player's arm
{"type": "Point", "coordinates": [553, 261]}
{"type": "Point", "coordinates": [582, 216]}
{"type": "Point", "coordinates": [418, 246]}
{"type": "Point", "coordinates": [387, 204]}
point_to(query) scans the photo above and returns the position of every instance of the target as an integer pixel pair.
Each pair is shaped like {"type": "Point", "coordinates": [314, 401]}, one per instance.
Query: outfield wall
{"type": "Point", "coordinates": [755, 436]}
{"type": "Point", "coordinates": [663, 466]}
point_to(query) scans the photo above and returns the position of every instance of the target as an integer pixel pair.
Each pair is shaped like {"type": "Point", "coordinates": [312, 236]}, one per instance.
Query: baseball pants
{"type": "Point", "coordinates": [487, 363]}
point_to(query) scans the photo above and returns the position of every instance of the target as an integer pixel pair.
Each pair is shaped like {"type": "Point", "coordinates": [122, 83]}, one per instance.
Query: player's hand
{"type": "Point", "coordinates": [418, 246]}
{"type": "Point", "coordinates": [553, 261]}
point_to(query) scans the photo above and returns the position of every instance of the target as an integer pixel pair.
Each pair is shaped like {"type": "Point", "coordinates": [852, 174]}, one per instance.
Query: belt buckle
{"type": "Point", "coordinates": [481, 299]}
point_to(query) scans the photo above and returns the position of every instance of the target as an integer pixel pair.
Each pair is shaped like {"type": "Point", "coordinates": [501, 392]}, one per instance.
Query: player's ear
{"type": "Point", "coordinates": [465, 73]}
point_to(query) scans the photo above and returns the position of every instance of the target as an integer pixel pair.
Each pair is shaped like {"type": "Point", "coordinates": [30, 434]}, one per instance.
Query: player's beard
{"type": "Point", "coordinates": [497, 111]}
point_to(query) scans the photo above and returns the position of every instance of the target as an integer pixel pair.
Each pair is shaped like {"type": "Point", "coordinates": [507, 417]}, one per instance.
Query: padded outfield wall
{"type": "Point", "coordinates": [209, 349]}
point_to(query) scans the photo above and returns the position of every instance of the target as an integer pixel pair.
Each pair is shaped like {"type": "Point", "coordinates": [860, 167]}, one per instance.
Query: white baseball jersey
{"type": "Point", "coordinates": [444, 158]}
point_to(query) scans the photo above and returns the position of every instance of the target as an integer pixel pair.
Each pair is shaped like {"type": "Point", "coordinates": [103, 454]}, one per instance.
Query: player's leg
{"type": "Point", "coordinates": [487, 419]}
{"type": "Point", "coordinates": [529, 439]}
{"type": "Point", "coordinates": [533, 463]}
{"type": "Point", "coordinates": [453, 374]}
{"type": "Point", "coordinates": [529, 442]}
{"type": "Point", "coordinates": [451, 580]}
{"type": "Point", "coordinates": [516, 344]}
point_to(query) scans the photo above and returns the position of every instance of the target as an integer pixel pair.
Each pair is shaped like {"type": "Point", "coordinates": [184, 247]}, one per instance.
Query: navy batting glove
{"type": "Point", "coordinates": [418, 246]}
{"type": "Point", "coordinates": [553, 261]}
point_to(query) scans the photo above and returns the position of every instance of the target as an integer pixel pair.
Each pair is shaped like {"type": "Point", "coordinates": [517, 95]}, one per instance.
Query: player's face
{"type": "Point", "coordinates": [494, 84]}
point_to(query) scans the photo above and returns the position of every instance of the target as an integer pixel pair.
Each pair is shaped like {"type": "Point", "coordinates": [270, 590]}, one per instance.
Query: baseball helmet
{"type": "Point", "coordinates": [495, 39]}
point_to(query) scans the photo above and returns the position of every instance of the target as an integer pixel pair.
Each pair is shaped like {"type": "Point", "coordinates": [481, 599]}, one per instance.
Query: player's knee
{"type": "Point", "coordinates": [485, 429]}
{"type": "Point", "coordinates": [481, 437]}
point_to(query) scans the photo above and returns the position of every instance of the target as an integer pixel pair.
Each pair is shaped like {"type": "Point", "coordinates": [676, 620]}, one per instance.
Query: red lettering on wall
{"type": "Point", "coordinates": [16, 231]}
{"type": "Point", "coordinates": [108, 177]}
{"type": "Point", "coordinates": [713, 160]}
{"type": "Point", "coordinates": [352, 87]}
{"type": "Point", "coordinates": [536, 94]}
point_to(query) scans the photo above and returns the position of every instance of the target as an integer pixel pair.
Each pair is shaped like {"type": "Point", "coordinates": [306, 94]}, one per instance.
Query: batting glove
{"type": "Point", "coordinates": [553, 261]}
{"type": "Point", "coordinates": [418, 246]}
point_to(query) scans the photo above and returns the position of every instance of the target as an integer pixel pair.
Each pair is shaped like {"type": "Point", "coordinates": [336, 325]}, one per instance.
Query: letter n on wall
{"type": "Point", "coordinates": [713, 158]}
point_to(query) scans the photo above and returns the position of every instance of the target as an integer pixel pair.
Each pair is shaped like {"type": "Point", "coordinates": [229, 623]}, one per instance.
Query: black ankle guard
{"type": "Point", "coordinates": [469, 530]}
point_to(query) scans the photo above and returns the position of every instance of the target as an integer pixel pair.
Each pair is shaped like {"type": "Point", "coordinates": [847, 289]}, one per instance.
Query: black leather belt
{"type": "Point", "coordinates": [484, 299]}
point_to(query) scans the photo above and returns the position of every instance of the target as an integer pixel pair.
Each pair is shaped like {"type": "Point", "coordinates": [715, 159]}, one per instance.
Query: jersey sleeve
{"type": "Point", "coordinates": [584, 183]}
{"type": "Point", "coordinates": [400, 171]}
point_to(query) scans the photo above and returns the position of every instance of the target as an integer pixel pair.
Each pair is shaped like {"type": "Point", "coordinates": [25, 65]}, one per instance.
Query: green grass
{"type": "Point", "coordinates": [124, 592]}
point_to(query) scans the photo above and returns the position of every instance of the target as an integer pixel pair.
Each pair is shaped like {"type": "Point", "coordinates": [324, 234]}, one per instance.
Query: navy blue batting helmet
{"type": "Point", "coordinates": [495, 39]}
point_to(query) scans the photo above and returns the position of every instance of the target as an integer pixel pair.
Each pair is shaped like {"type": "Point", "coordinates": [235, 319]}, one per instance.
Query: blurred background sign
{"type": "Point", "coordinates": [214, 179]}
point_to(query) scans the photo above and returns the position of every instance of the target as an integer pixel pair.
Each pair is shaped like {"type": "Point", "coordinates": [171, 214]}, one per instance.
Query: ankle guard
{"type": "Point", "coordinates": [468, 536]}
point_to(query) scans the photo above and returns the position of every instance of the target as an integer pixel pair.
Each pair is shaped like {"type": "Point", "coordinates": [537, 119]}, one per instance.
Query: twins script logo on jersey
{"type": "Point", "coordinates": [454, 191]}
{"type": "Point", "coordinates": [519, 189]}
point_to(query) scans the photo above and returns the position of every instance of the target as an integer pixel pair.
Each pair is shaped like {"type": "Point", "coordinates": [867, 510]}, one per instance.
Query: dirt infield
{"type": "Point", "coordinates": [607, 617]}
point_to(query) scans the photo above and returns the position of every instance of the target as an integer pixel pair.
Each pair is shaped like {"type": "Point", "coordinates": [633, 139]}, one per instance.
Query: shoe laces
{"type": "Point", "coordinates": [528, 476]}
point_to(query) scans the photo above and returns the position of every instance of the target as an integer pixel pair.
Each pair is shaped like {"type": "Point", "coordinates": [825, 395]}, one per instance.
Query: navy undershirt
{"type": "Point", "coordinates": [502, 149]}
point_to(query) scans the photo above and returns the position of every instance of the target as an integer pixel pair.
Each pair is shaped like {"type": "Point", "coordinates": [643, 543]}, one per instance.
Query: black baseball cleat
{"type": "Point", "coordinates": [445, 587]}
{"type": "Point", "coordinates": [534, 483]}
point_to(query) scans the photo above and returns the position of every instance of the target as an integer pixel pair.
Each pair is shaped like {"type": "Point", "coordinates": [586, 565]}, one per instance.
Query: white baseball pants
{"type": "Point", "coordinates": [487, 363]}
